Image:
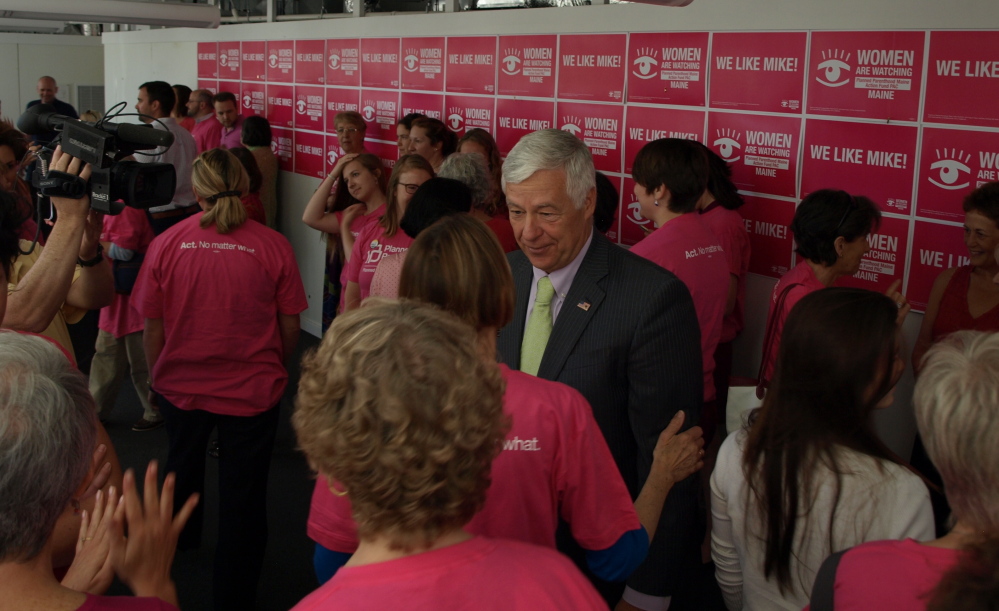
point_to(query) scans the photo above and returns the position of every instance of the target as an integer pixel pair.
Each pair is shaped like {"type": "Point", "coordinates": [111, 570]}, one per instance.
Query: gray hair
{"type": "Point", "coordinates": [957, 410]}
{"type": "Point", "coordinates": [553, 149]}
{"type": "Point", "coordinates": [48, 431]}
{"type": "Point", "coordinates": [472, 170]}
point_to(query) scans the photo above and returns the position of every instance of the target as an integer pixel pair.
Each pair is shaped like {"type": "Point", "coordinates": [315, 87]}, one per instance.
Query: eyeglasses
{"type": "Point", "coordinates": [410, 188]}
{"type": "Point", "coordinates": [347, 130]}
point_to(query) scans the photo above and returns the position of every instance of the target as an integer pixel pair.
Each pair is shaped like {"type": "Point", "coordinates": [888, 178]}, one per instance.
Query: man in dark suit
{"type": "Point", "coordinates": [612, 325]}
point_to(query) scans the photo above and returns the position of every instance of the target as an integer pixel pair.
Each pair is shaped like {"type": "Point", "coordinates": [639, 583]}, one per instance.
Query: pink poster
{"type": "Point", "coordinates": [334, 152]}
{"type": "Point", "coordinates": [280, 61]}
{"type": "Point", "coordinates": [429, 104]}
{"type": "Point", "coordinates": [668, 68]}
{"type": "Point", "coordinates": [343, 62]}
{"type": "Point", "coordinates": [885, 262]}
{"type": "Point", "coordinates": [872, 159]}
{"type": "Point", "coordinates": [761, 71]}
{"type": "Point", "coordinates": [768, 223]}
{"type": "Point", "coordinates": [935, 248]}
{"type": "Point", "coordinates": [647, 124]}
{"type": "Point", "coordinates": [210, 85]}
{"type": "Point", "coordinates": [310, 154]}
{"type": "Point", "coordinates": [229, 86]}
{"type": "Point", "coordinates": [387, 152]}
{"type": "Point", "coordinates": [208, 61]}
{"type": "Point", "coordinates": [465, 112]}
{"type": "Point", "coordinates": [229, 65]}
{"type": "Point", "coordinates": [591, 67]}
{"type": "Point", "coordinates": [380, 110]}
{"type": "Point", "coordinates": [875, 75]}
{"type": "Point", "coordinates": [633, 226]}
{"type": "Point", "coordinates": [963, 83]}
{"type": "Point", "coordinates": [283, 145]}
{"type": "Point", "coordinates": [471, 64]}
{"type": "Point", "coordinates": [309, 109]}
{"type": "Point", "coordinates": [253, 99]}
{"type": "Point", "coordinates": [952, 164]}
{"type": "Point", "coordinates": [763, 151]}
{"type": "Point", "coordinates": [527, 65]}
{"type": "Point", "coordinates": [310, 62]}
{"type": "Point", "coordinates": [599, 126]}
{"type": "Point", "coordinates": [254, 64]}
{"type": "Point", "coordinates": [614, 233]}
{"type": "Point", "coordinates": [515, 119]}
{"type": "Point", "coordinates": [340, 100]}
{"type": "Point", "coordinates": [380, 62]}
{"type": "Point", "coordinates": [280, 105]}
{"type": "Point", "coordinates": [423, 63]}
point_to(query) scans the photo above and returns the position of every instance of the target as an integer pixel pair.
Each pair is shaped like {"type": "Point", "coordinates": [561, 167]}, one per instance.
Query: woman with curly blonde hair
{"type": "Point", "coordinates": [397, 410]}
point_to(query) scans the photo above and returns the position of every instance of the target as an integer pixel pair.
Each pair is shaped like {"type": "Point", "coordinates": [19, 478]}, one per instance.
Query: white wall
{"type": "Point", "coordinates": [134, 57]}
{"type": "Point", "coordinates": [71, 60]}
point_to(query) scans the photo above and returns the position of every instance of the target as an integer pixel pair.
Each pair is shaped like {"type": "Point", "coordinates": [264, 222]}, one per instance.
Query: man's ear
{"type": "Point", "coordinates": [591, 203]}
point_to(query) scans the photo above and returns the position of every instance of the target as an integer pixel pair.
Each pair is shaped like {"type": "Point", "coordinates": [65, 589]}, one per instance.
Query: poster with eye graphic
{"type": "Point", "coordinates": [758, 71]}
{"type": "Point", "coordinates": [633, 226]}
{"type": "Point", "coordinates": [527, 66]}
{"type": "Point", "coordinates": [283, 145]}
{"type": "Point", "coordinates": [343, 62]}
{"type": "Point", "coordinates": [423, 63]}
{"type": "Point", "coordinates": [872, 159]}
{"type": "Point", "coordinates": [597, 125]}
{"type": "Point", "coordinates": [952, 164]}
{"type": "Point", "coordinates": [668, 67]}
{"type": "Point", "coordinates": [253, 99]}
{"type": "Point", "coordinates": [884, 263]}
{"type": "Point", "coordinates": [380, 110]}
{"type": "Point", "coordinates": [875, 75]}
{"type": "Point", "coordinates": [465, 112]}
{"type": "Point", "coordinates": [309, 111]}
{"type": "Point", "coordinates": [229, 65]}
{"type": "Point", "coordinates": [762, 150]}
{"type": "Point", "coordinates": [280, 61]}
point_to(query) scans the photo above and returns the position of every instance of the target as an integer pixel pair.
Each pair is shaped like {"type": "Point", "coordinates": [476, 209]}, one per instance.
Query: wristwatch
{"type": "Point", "coordinates": [92, 262]}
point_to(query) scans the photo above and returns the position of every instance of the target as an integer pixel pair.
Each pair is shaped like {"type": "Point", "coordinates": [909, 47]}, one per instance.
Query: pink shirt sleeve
{"type": "Point", "coordinates": [353, 270]}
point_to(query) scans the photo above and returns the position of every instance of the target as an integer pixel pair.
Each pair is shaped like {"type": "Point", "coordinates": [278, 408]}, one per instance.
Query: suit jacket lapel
{"type": "Point", "coordinates": [581, 304]}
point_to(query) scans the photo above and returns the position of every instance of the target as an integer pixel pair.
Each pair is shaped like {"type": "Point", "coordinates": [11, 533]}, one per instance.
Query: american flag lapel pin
{"type": "Point", "coordinates": [584, 306]}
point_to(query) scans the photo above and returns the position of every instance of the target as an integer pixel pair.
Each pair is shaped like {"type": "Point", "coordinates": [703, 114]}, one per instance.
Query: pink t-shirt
{"type": "Point", "coordinates": [358, 225]}
{"type": "Point", "coordinates": [369, 248]}
{"type": "Point", "coordinates": [124, 603]}
{"type": "Point", "coordinates": [730, 229]}
{"type": "Point", "coordinates": [207, 133]}
{"type": "Point", "coordinates": [555, 463]}
{"type": "Point", "coordinates": [219, 297]}
{"type": "Point", "coordinates": [479, 574]}
{"type": "Point", "coordinates": [802, 275]}
{"type": "Point", "coordinates": [894, 575]}
{"type": "Point", "coordinates": [129, 230]}
{"type": "Point", "coordinates": [686, 247]}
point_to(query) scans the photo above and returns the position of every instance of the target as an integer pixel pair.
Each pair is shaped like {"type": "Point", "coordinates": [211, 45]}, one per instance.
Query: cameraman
{"type": "Point", "coordinates": [57, 284]}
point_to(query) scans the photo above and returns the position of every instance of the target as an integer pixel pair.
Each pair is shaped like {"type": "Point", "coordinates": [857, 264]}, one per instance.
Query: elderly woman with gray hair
{"type": "Point", "coordinates": [48, 428]}
{"type": "Point", "coordinates": [472, 169]}
{"type": "Point", "coordinates": [957, 411]}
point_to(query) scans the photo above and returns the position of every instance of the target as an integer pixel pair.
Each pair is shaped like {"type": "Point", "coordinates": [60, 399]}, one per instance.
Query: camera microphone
{"type": "Point", "coordinates": [42, 118]}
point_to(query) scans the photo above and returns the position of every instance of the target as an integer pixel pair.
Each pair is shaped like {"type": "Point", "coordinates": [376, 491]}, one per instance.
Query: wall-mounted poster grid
{"type": "Point", "coordinates": [906, 118]}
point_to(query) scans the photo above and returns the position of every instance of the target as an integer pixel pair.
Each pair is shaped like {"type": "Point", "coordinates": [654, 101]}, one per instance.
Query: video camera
{"type": "Point", "coordinates": [114, 183]}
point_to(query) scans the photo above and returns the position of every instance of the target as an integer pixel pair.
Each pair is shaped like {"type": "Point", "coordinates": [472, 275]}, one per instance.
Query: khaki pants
{"type": "Point", "coordinates": [113, 357]}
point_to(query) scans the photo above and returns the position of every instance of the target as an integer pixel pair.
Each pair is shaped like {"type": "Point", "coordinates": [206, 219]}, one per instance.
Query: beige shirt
{"type": "Point", "coordinates": [57, 330]}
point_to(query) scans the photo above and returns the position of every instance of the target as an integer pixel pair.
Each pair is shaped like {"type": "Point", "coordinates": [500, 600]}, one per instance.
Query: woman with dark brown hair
{"type": "Point", "coordinates": [432, 140]}
{"type": "Point", "coordinates": [809, 477]}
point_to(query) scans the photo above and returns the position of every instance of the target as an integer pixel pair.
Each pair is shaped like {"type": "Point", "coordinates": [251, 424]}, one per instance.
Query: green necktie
{"type": "Point", "coordinates": [539, 327]}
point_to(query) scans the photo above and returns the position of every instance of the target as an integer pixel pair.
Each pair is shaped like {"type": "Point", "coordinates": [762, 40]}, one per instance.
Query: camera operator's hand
{"type": "Point", "coordinates": [91, 235]}
{"type": "Point", "coordinates": [75, 209]}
